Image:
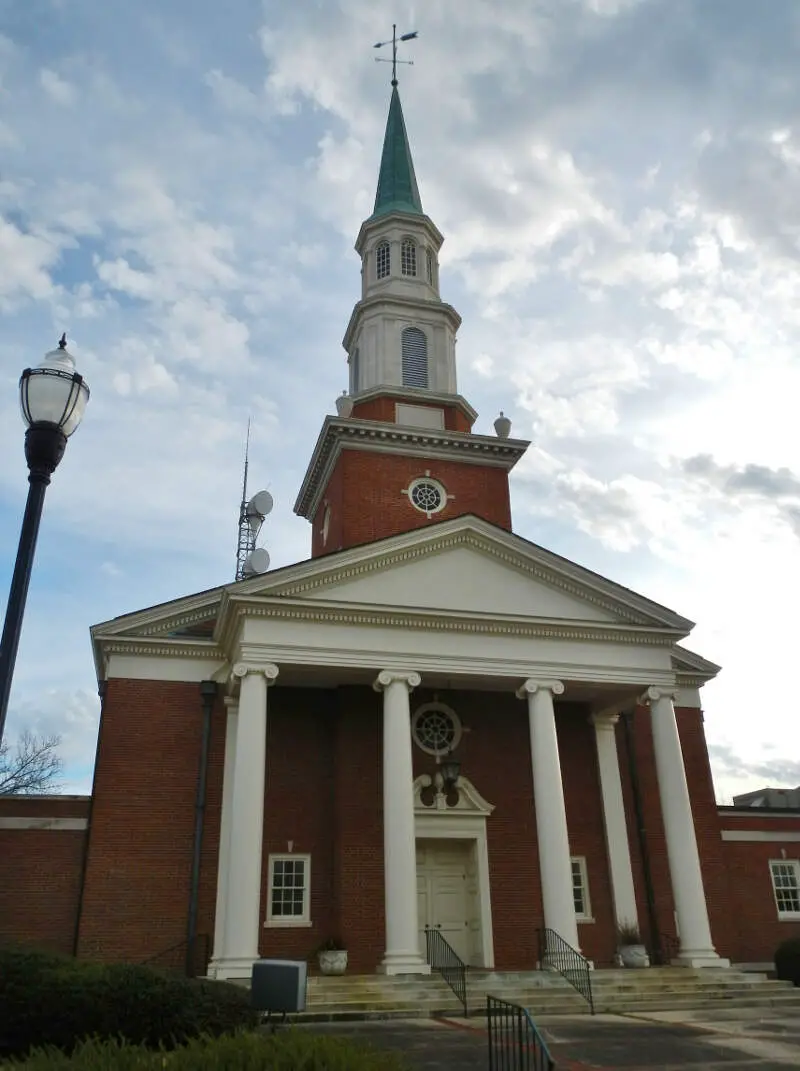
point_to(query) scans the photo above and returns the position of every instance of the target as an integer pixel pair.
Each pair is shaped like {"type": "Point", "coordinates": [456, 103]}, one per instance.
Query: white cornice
{"type": "Point", "coordinates": [131, 645]}
{"type": "Point", "coordinates": [390, 219]}
{"type": "Point", "coordinates": [418, 309]}
{"type": "Point", "coordinates": [450, 621]}
{"type": "Point", "coordinates": [379, 436]}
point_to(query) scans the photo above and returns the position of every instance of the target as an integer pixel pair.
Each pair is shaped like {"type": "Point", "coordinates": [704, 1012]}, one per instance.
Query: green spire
{"type": "Point", "coordinates": [397, 183]}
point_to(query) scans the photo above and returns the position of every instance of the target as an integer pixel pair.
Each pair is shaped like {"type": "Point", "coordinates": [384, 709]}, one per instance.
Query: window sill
{"type": "Point", "coordinates": [580, 919]}
{"type": "Point", "coordinates": [789, 916]}
{"type": "Point", "coordinates": [286, 924]}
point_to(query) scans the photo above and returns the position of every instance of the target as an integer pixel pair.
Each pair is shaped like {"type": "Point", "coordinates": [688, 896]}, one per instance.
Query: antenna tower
{"type": "Point", "coordinates": [251, 560]}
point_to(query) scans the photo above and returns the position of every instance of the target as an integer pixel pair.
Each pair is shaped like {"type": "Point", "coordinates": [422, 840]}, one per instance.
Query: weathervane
{"type": "Point", "coordinates": [394, 60]}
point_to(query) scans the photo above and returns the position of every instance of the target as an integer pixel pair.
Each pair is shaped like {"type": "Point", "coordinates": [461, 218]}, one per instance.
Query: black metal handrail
{"type": "Point", "coordinates": [176, 958]}
{"type": "Point", "coordinates": [514, 1042]}
{"type": "Point", "coordinates": [444, 959]}
{"type": "Point", "coordinates": [556, 953]}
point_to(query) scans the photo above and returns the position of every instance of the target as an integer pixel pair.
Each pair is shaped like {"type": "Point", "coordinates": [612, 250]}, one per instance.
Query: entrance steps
{"type": "Point", "coordinates": [545, 993]}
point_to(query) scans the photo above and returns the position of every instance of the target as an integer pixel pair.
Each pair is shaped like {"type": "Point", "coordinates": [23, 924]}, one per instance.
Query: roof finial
{"type": "Point", "coordinates": [393, 42]}
{"type": "Point", "coordinates": [62, 342]}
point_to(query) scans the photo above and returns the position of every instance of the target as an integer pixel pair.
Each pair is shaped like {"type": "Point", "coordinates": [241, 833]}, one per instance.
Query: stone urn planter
{"type": "Point", "coordinates": [344, 405]}
{"type": "Point", "coordinates": [630, 950]}
{"type": "Point", "coordinates": [332, 958]}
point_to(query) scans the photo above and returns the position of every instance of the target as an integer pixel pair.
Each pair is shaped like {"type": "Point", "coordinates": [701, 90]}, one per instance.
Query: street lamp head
{"type": "Point", "coordinates": [54, 394]}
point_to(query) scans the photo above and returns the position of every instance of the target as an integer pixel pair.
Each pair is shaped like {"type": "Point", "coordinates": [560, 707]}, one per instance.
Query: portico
{"type": "Point", "coordinates": [430, 659]}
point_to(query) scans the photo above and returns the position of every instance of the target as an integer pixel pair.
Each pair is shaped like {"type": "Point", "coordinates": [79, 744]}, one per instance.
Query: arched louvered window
{"type": "Point", "coordinates": [415, 357]}
{"type": "Point", "coordinates": [408, 257]}
{"type": "Point", "coordinates": [383, 260]}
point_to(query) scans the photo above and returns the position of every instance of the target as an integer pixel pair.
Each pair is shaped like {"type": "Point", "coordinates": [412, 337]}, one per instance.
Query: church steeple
{"type": "Point", "coordinates": [397, 183]}
{"type": "Point", "coordinates": [401, 452]}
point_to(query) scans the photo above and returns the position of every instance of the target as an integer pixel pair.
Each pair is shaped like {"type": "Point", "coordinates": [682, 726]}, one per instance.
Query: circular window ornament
{"type": "Point", "coordinates": [427, 495]}
{"type": "Point", "coordinates": [436, 729]}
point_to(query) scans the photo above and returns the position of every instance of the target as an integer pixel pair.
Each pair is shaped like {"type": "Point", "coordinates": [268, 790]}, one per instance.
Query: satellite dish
{"type": "Point", "coordinates": [260, 505]}
{"type": "Point", "coordinates": [257, 562]}
{"type": "Point", "coordinates": [257, 509]}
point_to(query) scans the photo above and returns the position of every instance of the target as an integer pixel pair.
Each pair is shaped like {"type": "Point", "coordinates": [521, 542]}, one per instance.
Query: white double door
{"type": "Point", "coordinates": [447, 895]}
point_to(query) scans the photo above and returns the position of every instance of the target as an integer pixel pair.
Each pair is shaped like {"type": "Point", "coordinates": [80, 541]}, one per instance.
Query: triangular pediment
{"type": "Point", "coordinates": [465, 567]}
{"type": "Point", "coordinates": [464, 573]}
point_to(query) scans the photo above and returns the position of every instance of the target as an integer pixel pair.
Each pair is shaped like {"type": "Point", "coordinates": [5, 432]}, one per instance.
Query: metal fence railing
{"type": "Point", "coordinates": [514, 1042]}
{"type": "Point", "coordinates": [445, 961]}
{"type": "Point", "coordinates": [556, 953]}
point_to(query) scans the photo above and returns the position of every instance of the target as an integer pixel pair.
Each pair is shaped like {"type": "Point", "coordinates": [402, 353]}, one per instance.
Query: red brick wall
{"type": "Point", "coordinates": [383, 409]}
{"type": "Point", "coordinates": [758, 930]}
{"type": "Point", "coordinates": [140, 844]}
{"type": "Point", "coordinates": [367, 503]}
{"type": "Point", "coordinates": [40, 872]}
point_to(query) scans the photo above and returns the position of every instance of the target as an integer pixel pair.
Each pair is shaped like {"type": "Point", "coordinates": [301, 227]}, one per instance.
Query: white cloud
{"type": "Point", "coordinates": [622, 240]}
{"type": "Point", "coordinates": [58, 89]}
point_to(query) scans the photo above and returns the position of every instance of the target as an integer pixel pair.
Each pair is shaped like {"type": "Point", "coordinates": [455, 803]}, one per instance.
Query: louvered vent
{"type": "Point", "coordinates": [415, 358]}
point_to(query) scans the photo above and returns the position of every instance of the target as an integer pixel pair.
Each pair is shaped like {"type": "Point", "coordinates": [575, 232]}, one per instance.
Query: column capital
{"type": "Point", "coordinates": [531, 686]}
{"type": "Point", "coordinates": [655, 692]}
{"type": "Point", "coordinates": [604, 720]}
{"type": "Point", "coordinates": [267, 670]}
{"type": "Point", "coordinates": [410, 678]}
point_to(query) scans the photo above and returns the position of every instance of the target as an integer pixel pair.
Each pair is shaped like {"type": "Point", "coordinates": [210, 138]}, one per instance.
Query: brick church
{"type": "Point", "coordinates": [432, 721]}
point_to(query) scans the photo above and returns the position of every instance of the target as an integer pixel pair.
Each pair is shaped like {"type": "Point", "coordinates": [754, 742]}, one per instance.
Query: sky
{"type": "Point", "coordinates": [181, 185]}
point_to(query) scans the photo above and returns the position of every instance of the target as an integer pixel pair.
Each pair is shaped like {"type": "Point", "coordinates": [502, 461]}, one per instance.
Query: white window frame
{"type": "Point", "coordinates": [383, 259]}
{"type": "Point", "coordinates": [408, 257]}
{"type": "Point", "coordinates": [785, 916]}
{"type": "Point", "coordinates": [283, 921]}
{"type": "Point", "coordinates": [586, 914]}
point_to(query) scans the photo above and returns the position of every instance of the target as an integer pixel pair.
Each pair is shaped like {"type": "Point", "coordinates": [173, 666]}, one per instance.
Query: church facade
{"type": "Point", "coordinates": [431, 722]}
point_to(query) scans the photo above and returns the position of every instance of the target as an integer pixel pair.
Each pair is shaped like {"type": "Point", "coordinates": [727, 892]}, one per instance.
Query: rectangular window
{"type": "Point", "coordinates": [289, 887]}
{"type": "Point", "coordinates": [786, 887]}
{"type": "Point", "coordinates": [580, 889]}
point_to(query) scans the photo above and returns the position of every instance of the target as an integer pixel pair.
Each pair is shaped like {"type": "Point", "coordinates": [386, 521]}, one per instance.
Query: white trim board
{"type": "Point", "coordinates": [760, 835]}
{"type": "Point", "coordinates": [44, 823]}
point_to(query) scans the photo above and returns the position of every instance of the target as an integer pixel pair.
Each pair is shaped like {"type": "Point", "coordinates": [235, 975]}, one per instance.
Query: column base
{"type": "Point", "coordinates": [233, 969]}
{"type": "Point", "coordinates": [403, 963]}
{"type": "Point", "coordinates": [699, 958]}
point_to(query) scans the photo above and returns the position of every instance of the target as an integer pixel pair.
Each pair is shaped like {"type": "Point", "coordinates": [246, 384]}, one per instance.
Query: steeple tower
{"type": "Point", "coordinates": [401, 452]}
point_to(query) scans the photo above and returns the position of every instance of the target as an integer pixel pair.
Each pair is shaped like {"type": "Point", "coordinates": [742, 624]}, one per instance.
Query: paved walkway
{"type": "Point", "coordinates": [582, 1043]}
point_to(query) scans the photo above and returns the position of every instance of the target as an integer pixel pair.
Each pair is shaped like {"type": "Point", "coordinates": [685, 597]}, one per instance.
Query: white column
{"type": "Point", "coordinates": [696, 948]}
{"type": "Point", "coordinates": [399, 843]}
{"type": "Point", "coordinates": [225, 833]}
{"type": "Point", "coordinates": [616, 827]}
{"type": "Point", "coordinates": [243, 897]}
{"type": "Point", "coordinates": [551, 816]}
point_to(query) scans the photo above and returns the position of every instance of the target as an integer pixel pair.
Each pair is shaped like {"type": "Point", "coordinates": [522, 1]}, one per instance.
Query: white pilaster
{"type": "Point", "coordinates": [551, 816]}
{"type": "Point", "coordinates": [243, 897]}
{"type": "Point", "coordinates": [696, 948]}
{"type": "Point", "coordinates": [223, 864]}
{"type": "Point", "coordinates": [617, 844]}
{"type": "Point", "coordinates": [402, 955]}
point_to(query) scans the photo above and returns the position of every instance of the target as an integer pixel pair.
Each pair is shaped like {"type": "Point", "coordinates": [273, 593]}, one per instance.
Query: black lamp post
{"type": "Point", "coordinates": [53, 398]}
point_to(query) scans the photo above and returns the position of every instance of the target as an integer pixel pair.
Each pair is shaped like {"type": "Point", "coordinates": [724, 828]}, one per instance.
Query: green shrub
{"type": "Point", "coordinates": [58, 1001]}
{"type": "Point", "coordinates": [288, 1050]}
{"type": "Point", "coordinates": [787, 960]}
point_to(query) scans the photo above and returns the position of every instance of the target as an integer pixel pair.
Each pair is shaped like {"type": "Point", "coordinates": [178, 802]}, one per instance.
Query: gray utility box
{"type": "Point", "coordinates": [279, 985]}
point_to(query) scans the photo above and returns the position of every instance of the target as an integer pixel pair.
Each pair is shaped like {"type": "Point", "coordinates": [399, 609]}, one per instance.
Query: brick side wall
{"type": "Point", "coordinates": [140, 845]}
{"type": "Point", "coordinates": [367, 503]}
{"type": "Point", "coordinates": [40, 872]}
{"type": "Point", "coordinates": [758, 929]}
